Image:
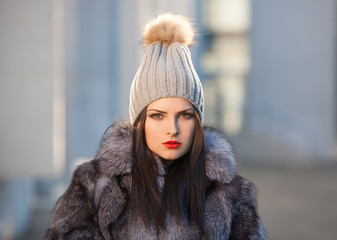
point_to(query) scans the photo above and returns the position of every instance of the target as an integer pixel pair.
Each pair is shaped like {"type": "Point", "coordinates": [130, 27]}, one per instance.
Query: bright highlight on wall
{"type": "Point", "coordinates": [227, 62]}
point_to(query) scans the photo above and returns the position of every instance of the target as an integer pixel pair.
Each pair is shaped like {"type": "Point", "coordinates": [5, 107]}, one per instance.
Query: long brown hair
{"type": "Point", "coordinates": [185, 181]}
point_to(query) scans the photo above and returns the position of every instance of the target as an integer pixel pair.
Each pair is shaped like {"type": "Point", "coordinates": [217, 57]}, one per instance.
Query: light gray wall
{"type": "Point", "coordinates": [292, 85]}
{"type": "Point", "coordinates": [28, 65]}
{"type": "Point", "coordinates": [92, 74]}
{"type": "Point", "coordinates": [27, 94]}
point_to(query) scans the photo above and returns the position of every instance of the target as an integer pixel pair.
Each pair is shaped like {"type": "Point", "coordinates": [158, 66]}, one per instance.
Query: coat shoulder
{"type": "Point", "coordinates": [220, 159]}
{"type": "Point", "coordinates": [91, 199]}
{"type": "Point", "coordinates": [85, 174]}
{"type": "Point", "coordinates": [244, 191]}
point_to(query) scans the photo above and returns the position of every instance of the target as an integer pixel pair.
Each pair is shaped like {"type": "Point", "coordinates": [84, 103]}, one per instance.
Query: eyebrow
{"type": "Point", "coordinates": [163, 112]}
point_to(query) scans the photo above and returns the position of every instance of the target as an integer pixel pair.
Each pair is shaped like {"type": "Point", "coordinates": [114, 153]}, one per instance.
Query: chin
{"type": "Point", "coordinates": [171, 156]}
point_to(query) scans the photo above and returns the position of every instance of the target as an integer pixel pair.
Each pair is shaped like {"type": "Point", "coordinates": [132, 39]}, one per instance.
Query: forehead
{"type": "Point", "coordinates": [178, 104]}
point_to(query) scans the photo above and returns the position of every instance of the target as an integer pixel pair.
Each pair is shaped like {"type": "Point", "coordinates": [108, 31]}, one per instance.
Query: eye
{"type": "Point", "coordinates": [156, 116]}
{"type": "Point", "coordinates": [186, 115]}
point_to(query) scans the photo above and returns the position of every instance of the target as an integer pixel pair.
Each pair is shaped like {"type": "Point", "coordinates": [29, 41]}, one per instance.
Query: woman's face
{"type": "Point", "coordinates": [169, 127]}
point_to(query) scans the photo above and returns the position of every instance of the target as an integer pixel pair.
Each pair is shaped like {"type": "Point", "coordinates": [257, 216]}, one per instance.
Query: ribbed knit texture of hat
{"type": "Point", "coordinates": [166, 69]}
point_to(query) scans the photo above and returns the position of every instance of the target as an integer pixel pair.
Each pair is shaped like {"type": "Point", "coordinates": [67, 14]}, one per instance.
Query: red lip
{"type": "Point", "coordinates": [172, 144]}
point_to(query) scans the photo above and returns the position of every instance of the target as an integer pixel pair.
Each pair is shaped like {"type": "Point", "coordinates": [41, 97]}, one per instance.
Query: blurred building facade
{"type": "Point", "coordinates": [268, 69]}
{"type": "Point", "coordinates": [271, 78]}
{"type": "Point", "coordinates": [291, 88]}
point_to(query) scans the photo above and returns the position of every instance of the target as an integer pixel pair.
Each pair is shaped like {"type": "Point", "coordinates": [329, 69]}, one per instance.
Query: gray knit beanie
{"type": "Point", "coordinates": [166, 69]}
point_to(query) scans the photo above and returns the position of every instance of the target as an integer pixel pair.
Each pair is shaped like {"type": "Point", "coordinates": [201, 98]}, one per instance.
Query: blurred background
{"type": "Point", "coordinates": [269, 73]}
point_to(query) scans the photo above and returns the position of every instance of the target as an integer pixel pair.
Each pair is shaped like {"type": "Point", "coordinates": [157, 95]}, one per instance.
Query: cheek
{"type": "Point", "coordinates": [189, 133]}
{"type": "Point", "coordinates": [151, 134]}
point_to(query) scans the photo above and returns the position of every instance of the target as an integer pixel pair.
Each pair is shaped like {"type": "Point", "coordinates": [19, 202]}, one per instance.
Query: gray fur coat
{"type": "Point", "coordinates": [94, 205]}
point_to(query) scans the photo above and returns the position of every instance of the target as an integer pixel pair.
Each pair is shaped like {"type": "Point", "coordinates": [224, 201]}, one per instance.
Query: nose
{"type": "Point", "coordinates": [173, 128]}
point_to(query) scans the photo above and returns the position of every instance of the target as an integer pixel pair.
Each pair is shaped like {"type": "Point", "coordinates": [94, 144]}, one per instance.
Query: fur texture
{"type": "Point", "coordinates": [94, 205]}
{"type": "Point", "coordinates": [168, 28]}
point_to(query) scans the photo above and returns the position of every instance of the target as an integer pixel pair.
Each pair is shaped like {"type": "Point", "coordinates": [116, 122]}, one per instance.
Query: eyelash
{"type": "Point", "coordinates": [156, 116]}
{"type": "Point", "coordinates": [183, 115]}
{"type": "Point", "coordinates": [186, 115]}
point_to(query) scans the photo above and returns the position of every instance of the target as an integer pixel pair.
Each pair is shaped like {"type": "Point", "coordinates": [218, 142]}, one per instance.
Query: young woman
{"type": "Point", "coordinates": [161, 175]}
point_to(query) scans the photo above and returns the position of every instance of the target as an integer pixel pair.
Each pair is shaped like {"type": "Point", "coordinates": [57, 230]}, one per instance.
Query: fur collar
{"type": "Point", "coordinates": [115, 154]}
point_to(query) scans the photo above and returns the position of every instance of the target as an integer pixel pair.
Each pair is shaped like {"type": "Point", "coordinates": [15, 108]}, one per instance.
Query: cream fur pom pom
{"type": "Point", "coordinates": [168, 28]}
